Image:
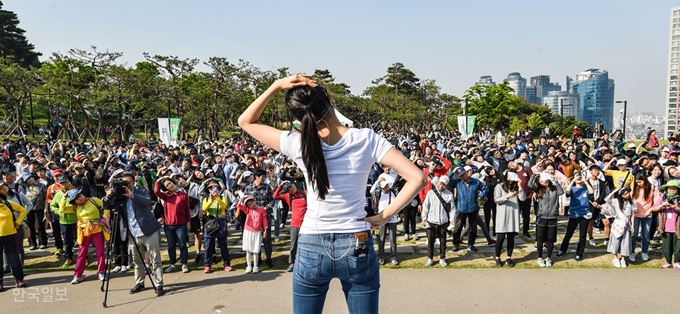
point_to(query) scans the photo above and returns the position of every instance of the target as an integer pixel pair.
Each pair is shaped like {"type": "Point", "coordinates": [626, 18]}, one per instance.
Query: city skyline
{"type": "Point", "coordinates": [453, 43]}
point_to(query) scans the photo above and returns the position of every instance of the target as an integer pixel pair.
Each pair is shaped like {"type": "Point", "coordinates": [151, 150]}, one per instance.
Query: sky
{"type": "Point", "coordinates": [453, 42]}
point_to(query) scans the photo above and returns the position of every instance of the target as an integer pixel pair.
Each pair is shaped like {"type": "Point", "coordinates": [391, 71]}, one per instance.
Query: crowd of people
{"type": "Point", "coordinates": [205, 192]}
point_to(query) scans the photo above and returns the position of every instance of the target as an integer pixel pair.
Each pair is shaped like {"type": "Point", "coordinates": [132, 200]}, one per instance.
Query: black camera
{"type": "Point", "coordinates": [118, 185]}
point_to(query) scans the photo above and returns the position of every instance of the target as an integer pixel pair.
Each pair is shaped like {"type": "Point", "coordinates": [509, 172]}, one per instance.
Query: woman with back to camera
{"type": "Point", "coordinates": [335, 240]}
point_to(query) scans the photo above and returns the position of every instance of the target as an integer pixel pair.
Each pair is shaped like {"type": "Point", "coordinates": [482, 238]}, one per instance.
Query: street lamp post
{"type": "Point", "coordinates": [625, 109]}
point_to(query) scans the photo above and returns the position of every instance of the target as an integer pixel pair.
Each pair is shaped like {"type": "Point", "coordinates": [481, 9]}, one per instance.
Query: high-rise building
{"type": "Point", "coordinates": [486, 80]}
{"type": "Point", "coordinates": [518, 84]}
{"type": "Point", "coordinates": [539, 88]}
{"type": "Point", "coordinates": [671, 126]}
{"type": "Point", "coordinates": [596, 97]}
{"type": "Point", "coordinates": [568, 103]}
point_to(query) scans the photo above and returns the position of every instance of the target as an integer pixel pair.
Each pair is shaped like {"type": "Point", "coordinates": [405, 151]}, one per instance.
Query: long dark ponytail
{"type": "Point", "coordinates": [309, 105]}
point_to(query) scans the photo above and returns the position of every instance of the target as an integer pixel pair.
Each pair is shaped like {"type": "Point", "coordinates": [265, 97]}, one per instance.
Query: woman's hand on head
{"type": "Point", "coordinates": [296, 80]}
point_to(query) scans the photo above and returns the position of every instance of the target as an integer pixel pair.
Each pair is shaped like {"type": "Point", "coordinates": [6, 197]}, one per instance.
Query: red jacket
{"type": "Point", "coordinates": [176, 209]}
{"type": "Point", "coordinates": [297, 204]}
{"type": "Point", "coordinates": [437, 173]}
{"type": "Point", "coordinates": [256, 219]}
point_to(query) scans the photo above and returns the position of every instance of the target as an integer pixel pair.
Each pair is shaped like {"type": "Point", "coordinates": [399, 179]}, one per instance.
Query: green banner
{"type": "Point", "coordinates": [174, 128]}
{"type": "Point", "coordinates": [471, 124]}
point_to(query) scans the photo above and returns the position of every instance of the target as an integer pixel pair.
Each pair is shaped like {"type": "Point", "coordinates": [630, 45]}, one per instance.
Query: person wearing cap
{"type": "Point", "coordinates": [297, 202]}
{"type": "Point", "coordinates": [580, 192]}
{"type": "Point", "coordinates": [507, 196]}
{"type": "Point", "coordinates": [82, 178]}
{"type": "Point", "coordinates": [36, 193]}
{"type": "Point", "coordinates": [177, 220]}
{"type": "Point", "coordinates": [437, 216]}
{"type": "Point", "coordinates": [195, 189]}
{"type": "Point", "coordinates": [437, 167]}
{"type": "Point", "coordinates": [92, 228]}
{"type": "Point", "coordinates": [256, 222]}
{"type": "Point", "coordinates": [621, 176]}
{"type": "Point", "coordinates": [67, 218]}
{"type": "Point", "coordinates": [215, 206]}
{"type": "Point", "coordinates": [524, 174]}
{"type": "Point", "coordinates": [138, 221]}
{"type": "Point", "coordinates": [621, 242]}
{"type": "Point", "coordinates": [264, 197]}
{"type": "Point", "coordinates": [11, 216]}
{"type": "Point", "coordinates": [669, 225]}
{"type": "Point", "coordinates": [596, 200]}
{"type": "Point", "coordinates": [383, 200]}
{"type": "Point", "coordinates": [20, 198]}
{"type": "Point", "coordinates": [470, 192]}
{"type": "Point", "coordinates": [547, 193]}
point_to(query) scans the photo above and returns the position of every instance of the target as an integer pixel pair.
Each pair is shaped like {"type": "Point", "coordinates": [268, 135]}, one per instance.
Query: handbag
{"type": "Point", "coordinates": [211, 225]}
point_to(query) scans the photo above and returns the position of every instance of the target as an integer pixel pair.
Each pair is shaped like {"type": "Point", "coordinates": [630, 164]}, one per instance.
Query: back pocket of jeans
{"type": "Point", "coordinates": [362, 268]}
{"type": "Point", "coordinates": [307, 265]}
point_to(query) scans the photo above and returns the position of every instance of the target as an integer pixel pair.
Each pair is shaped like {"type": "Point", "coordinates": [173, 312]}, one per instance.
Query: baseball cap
{"type": "Point", "coordinates": [247, 174]}
{"type": "Point", "coordinates": [621, 162]}
{"type": "Point", "coordinates": [63, 179]}
{"type": "Point", "coordinates": [444, 179]}
{"type": "Point", "coordinates": [130, 168]}
{"type": "Point", "coordinates": [631, 145]}
{"type": "Point", "coordinates": [26, 176]}
{"type": "Point", "coordinates": [467, 168]}
{"type": "Point", "coordinates": [383, 184]}
{"type": "Point", "coordinates": [666, 149]}
{"type": "Point", "coordinates": [285, 186]}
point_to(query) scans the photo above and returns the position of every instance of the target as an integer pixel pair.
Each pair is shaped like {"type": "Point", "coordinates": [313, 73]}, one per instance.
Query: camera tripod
{"type": "Point", "coordinates": [118, 215]}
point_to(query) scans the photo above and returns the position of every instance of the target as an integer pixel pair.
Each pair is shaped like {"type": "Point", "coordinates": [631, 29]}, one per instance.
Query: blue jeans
{"type": "Point", "coordinates": [70, 235]}
{"type": "Point", "coordinates": [646, 224]}
{"type": "Point", "coordinates": [177, 235]}
{"type": "Point", "coordinates": [322, 257]}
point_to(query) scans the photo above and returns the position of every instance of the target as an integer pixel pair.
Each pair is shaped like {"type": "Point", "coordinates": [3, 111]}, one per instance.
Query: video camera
{"type": "Point", "coordinates": [118, 185]}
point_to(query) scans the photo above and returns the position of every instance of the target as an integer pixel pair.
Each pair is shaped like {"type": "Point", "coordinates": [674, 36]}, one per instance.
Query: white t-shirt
{"type": "Point", "coordinates": [385, 200]}
{"type": "Point", "coordinates": [349, 162]}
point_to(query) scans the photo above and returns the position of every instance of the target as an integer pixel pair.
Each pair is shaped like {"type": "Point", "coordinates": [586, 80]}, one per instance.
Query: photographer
{"type": "Point", "coordinates": [135, 208]}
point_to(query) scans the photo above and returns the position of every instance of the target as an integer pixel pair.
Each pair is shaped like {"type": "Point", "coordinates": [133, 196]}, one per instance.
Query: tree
{"type": "Point", "coordinates": [13, 41]}
{"type": "Point", "coordinates": [494, 105]}
{"type": "Point", "coordinates": [16, 86]}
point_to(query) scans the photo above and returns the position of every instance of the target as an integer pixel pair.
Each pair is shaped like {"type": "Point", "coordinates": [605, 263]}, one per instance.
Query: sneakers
{"type": "Point", "coordinates": [559, 254]}
{"type": "Point", "coordinates": [101, 276]}
{"type": "Point", "coordinates": [249, 270]}
{"type": "Point", "coordinates": [170, 269]}
{"type": "Point", "coordinates": [577, 258]}
{"type": "Point", "coordinates": [199, 258]}
{"type": "Point", "coordinates": [59, 252]}
{"type": "Point", "coordinates": [76, 280]}
{"type": "Point", "coordinates": [436, 241]}
{"type": "Point", "coordinates": [429, 262]}
{"type": "Point", "coordinates": [32, 247]}
{"type": "Point", "coordinates": [19, 284]}
{"type": "Point", "coordinates": [415, 237]}
{"type": "Point", "coordinates": [540, 262]}
{"type": "Point", "coordinates": [68, 262]}
{"type": "Point", "coordinates": [116, 269]}
{"type": "Point", "coordinates": [281, 226]}
{"type": "Point", "coordinates": [406, 237]}
{"type": "Point", "coordinates": [492, 242]}
{"type": "Point", "coordinates": [616, 262]}
{"type": "Point", "coordinates": [290, 268]}
{"type": "Point", "coordinates": [623, 263]}
{"type": "Point", "coordinates": [592, 242]}
{"type": "Point", "coordinates": [632, 257]}
{"type": "Point", "coordinates": [277, 239]}
{"type": "Point", "coordinates": [395, 262]}
{"type": "Point", "coordinates": [228, 268]}
{"type": "Point", "coordinates": [666, 265]}
{"type": "Point", "coordinates": [455, 248]}
{"type": "Point", "coordinates": [381, 261]}
{"type": "Point", "coordinates": [606, 242]}
{"type": "Point", "coordinates": [185, 268]}
{"type": "Point", "coordinates": [548, 262]}
{"type": "Point", "coordinates": [676, 265]}
{"type": "Point", "coordinates": [159, 291]}
{"type": "Point", "coordinates": [499, 263]}
{"type": "Point", "coordinates": [645, 256]}
{"type": "Point", "coordinates": [138, 287]}
{"type": "Point", "coordinates": [443, 262]}
{"type": "Point", "coordinates": [509, 262]}
{"type": "Point", "coordinates": [256, 270]}
{"type": "Point", "coordinates": [124, 268]}
{"type": "Point", "coordinates": [472, 248]}
{"type": "Point", "coordinates": [207, 269]}
{"type": "Point", "coordinates": [42, 247]}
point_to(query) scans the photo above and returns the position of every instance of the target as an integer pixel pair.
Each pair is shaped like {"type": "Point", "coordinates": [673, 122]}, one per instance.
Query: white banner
{"type": "Point", "coordinates": [462, 127]}
{"type": "Point", "coordinates": [164, 130]}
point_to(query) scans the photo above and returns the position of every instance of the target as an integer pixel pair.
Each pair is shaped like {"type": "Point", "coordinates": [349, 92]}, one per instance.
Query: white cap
{"type": "Point", "coordinates": [467, 168]}
{"type": "Point", "coordinates": [631, 145]}
{"type": "Point", "coordinates": [666, 149]}
{"type": "Point", "coordinates": [383, 184]}
{"type": "Point", "coordinates": [621, 162]}
{"type": "Point", "coordinates": [444, 179]}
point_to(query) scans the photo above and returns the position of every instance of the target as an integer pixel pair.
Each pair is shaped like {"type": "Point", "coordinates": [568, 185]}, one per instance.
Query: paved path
{"type": "Point", "coordinates": [403, 291]}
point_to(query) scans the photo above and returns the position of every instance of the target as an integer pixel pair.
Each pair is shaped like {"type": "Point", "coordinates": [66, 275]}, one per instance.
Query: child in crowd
{"type": "Point", "coordinates": [669, 224]}
{"type": "Point", "coordinates": [256, 222]}
{"type": "Point", "coordinates": [619, 243]}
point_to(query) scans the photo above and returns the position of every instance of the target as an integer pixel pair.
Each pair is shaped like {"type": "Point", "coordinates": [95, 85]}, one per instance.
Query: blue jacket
{"type": "Point", "coordinates": [141, 205]}
{"type": "Point", "coordinates": [467, 194]}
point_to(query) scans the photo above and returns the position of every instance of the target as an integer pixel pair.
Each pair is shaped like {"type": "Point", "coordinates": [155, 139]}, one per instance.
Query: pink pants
{"type": "Point", "coordinates": [98, 240]}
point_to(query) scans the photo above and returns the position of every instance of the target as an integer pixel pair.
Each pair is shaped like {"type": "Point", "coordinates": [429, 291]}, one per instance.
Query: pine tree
{"type": "Point", "coordinates": [13, 42]}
